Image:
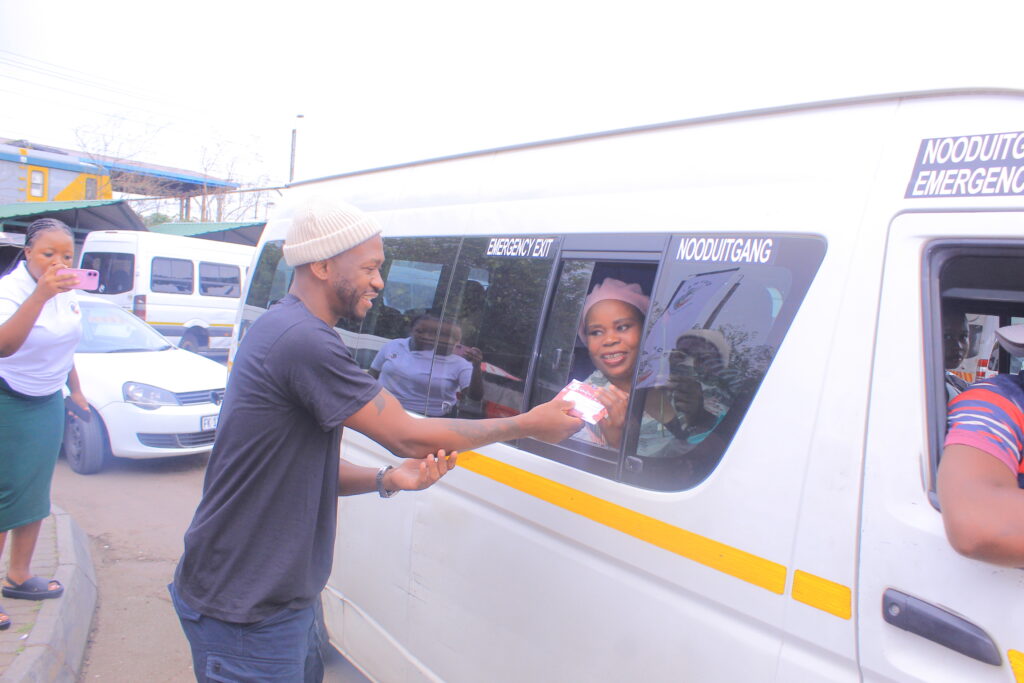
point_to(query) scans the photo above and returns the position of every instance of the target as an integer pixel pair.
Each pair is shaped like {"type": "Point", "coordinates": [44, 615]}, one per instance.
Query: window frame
{"type": "Point", "coordinates": [192, 275]}
{"type": "Point", "coordinates": [44, 179]}
{"type": "Point", "coordinates": [219, 264]}
{"type": "Point", "coordinates": [606, 249]}
{"type": "Point", "coordinates": [631, 249]}
{"type": "Point", "coordinates": [937, 254]}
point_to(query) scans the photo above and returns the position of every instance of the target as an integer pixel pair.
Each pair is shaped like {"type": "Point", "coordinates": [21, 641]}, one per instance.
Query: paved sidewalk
{"type": "Point", "coordinates": [47, 638]}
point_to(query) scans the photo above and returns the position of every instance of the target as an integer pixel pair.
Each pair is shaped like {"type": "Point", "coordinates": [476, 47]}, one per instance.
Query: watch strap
{"type": "Point", "coordinates": [381, 491]}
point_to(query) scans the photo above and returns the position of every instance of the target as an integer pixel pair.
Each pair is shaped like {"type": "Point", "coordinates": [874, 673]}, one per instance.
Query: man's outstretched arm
{"type": "Point", "coordinates": [385, 421]}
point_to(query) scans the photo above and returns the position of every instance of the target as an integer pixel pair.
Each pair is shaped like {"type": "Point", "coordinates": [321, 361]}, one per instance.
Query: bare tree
{"type": "Point", "coordinates": [185, 201]}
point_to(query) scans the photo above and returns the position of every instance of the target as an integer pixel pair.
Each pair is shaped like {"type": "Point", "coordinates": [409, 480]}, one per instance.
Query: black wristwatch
{"type": "Point", "coordinates": [383, 492]}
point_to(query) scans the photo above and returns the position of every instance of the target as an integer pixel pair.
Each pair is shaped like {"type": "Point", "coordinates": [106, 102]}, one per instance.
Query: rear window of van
{"type": "Point", "coordinates": [117, 270]}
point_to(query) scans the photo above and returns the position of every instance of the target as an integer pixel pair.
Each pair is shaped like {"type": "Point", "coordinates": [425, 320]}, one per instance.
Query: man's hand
{"type": "Point", "coordinates": [416, 474]}
{"type": "Point", "coordinates": [551, 421]}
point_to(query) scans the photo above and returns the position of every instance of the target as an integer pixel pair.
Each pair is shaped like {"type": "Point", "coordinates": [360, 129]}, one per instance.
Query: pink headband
{"type": "Point", "coordinates": [617, 290]}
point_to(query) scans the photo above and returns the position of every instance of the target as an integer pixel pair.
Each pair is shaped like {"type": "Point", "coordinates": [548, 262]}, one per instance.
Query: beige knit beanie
{"type": "Point", "coordinates": [324, 226]}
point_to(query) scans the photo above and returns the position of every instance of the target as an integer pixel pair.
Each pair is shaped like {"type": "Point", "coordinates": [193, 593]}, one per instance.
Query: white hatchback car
{"type": "Point", "coordinates": [147, 398]}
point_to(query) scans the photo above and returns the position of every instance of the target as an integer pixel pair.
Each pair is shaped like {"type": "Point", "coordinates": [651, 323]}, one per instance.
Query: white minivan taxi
{"type": "Point", "coordinates": [797, 261]}
{"type": "Point", "coordinates": [187, 288]}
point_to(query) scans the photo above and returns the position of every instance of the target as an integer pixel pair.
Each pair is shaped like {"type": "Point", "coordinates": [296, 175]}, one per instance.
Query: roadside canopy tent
{"type": "Point", "coordinates": [238, 233]}
{"type": "Point", "coordinates": [83, 216]}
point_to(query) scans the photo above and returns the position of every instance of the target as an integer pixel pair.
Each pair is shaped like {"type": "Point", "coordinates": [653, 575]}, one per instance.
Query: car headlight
{"type": "Point", "coordinates": [148, 397]}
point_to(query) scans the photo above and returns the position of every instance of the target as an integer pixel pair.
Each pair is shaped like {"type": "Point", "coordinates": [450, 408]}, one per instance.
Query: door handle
{"type": "Point", "coordinates": [939, 626]}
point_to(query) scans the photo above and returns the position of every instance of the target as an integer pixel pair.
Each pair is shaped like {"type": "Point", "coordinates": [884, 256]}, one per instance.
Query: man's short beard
{"type": "Point", "coordinates": [349, 298]}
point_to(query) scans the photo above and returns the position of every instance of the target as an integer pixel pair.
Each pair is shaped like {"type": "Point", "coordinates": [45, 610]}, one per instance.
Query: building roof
{"type": "Point", "coordinates": [141, 178]}
{"type": "Point", "coordinates": [238, 233]}
{"type": "Point", "coordinates": [85, 214]}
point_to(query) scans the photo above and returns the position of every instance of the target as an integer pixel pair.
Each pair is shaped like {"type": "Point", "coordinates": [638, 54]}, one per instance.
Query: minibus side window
{"type": "Point", "coordinates": [272, 277]}
{"type": "Point", "coordinates": [270, 282]}
{"type": "Point", "coordinates": [716, 322]}
{"type": "Point", "coordinates": [492, 312]}
{"type": "Point", "coordinates": [715, 318]}
{"type": "Point", "coordinates": [171, 275]}
{"type": "Point", "coordinates": [219, 279]}
{"type": "Point", "coordinates": [117, 270]}
{"type": "Point", "coordinates": [400, 335]}
{"type": "Point", "coordinates": [565, 355]}
{"type": "Point", "coordinates": [978, 291]}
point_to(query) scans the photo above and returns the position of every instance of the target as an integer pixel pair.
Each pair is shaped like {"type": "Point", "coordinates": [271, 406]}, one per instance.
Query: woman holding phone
{"type": "Point", "coordinates": [40, 325]}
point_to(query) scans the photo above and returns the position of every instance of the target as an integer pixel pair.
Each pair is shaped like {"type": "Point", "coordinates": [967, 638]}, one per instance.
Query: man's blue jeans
{"type": "Point", "coordinates": [283, 647]}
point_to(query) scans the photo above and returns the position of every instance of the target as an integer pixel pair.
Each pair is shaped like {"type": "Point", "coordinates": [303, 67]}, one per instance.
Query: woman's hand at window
{"type": "Point", "coordinates": [615, 401]}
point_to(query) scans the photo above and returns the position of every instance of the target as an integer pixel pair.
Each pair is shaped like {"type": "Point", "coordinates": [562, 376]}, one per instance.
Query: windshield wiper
{"type": "Point", "coordinates": [136, 350]}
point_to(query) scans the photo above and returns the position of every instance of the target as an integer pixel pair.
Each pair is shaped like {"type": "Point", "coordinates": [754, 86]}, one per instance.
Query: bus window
{"type": "Point", "coordinates": [402, 333]}
{"type": "Point", "coordinates": [979, 291]}
{"type": "Point", "coordinates": [712, 333]}
{"type": "Point", "coordinates": [219, 279]}
{"type": "Point", "coordinates": [272, 278]}
{"type": "Point", "coordinates": [270, 283]}
{"type": "Point", "coordinates": [171, 275]}
{"type": "Point", "coordinates": [712, 325]}
{"type": "Point", "coordinates": [597, 357]}
{"type": "Point", "coordinates": [495, 308]}
{"type": "Point", "coordinates": [117, 270]}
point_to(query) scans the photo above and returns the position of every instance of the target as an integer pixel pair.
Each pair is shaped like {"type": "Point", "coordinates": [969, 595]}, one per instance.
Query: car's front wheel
{"type": "Point", "coordinates": [85, 443]}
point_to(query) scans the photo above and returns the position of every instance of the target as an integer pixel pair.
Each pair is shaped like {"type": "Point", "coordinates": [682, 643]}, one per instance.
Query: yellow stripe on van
{"type": "Point", "coordinates": [733, 561]}
{"type": "Point", "coordinates": [823, 594]}
{"type": "Point", "coordinates": [1016, 664]}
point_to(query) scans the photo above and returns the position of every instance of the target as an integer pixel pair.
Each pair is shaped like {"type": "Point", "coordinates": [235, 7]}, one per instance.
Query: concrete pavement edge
{"type": "Point", "coordinates": [56, 646]}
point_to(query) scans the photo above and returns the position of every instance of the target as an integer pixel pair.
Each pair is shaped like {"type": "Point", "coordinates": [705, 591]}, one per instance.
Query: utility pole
{"type": "Point", "coordinates": [291, 169]}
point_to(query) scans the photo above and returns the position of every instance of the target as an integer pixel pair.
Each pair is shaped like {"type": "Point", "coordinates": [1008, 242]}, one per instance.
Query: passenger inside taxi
{"type": "Point", "coordinates": [955, 338]}
{"type": "Point", "coordinates": [611, 327]}
{"type": "Point", "coordinates": [980, 474]}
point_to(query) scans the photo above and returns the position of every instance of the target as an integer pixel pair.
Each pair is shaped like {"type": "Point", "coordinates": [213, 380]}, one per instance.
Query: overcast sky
{"type": "Point", "coordinates": [217, 85]}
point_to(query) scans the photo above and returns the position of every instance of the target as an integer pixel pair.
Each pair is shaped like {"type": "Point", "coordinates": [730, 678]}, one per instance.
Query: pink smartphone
{"type": "Point", "coordinates": [87, 278]}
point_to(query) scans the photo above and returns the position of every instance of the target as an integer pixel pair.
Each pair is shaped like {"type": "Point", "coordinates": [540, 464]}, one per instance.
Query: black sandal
{"type": "Point", "coordinates": [6, 623]}
{"type": "Point", "coordinates": [35, 588]}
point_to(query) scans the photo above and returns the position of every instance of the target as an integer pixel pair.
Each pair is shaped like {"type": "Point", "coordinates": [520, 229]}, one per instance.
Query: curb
{"type": "Point", "coordinates": [56, 646]}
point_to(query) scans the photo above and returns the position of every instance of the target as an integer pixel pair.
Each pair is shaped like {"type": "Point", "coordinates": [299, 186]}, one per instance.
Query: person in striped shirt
{"type": "Point", "coordinates": [981, 472]}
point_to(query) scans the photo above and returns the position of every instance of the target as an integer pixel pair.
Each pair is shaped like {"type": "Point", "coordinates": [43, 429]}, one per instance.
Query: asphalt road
{"type": "Point", "coordinates": [135, 513]}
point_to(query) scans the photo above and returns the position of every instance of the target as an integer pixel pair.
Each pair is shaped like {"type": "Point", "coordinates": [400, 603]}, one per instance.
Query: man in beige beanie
{"type": "Point", "coordinates": [259, 549]}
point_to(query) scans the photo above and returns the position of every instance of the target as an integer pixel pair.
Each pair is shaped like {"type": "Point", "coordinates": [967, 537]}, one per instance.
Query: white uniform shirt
{"type": "Point", "coordinates": [407, 374]}
{"type": "Point", "coordinates": [41, 366]}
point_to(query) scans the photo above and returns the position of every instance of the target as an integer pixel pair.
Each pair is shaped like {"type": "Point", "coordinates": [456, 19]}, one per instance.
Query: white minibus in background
{"type": "Point", "coordinates": [185, 287]}
{"type": "Point", "coordinates": [807, 250]}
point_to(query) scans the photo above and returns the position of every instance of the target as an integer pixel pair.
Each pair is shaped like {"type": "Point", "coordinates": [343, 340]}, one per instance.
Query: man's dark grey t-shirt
{"type": "Point", "coordinates": [262, 538]}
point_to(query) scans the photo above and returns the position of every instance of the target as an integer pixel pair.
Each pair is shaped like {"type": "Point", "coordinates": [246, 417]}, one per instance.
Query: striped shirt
{"type": "Point", "coordinates": [989, 416]}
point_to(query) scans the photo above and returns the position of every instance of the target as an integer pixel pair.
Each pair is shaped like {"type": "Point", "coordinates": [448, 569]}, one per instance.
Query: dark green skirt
{"type": "Point", "coordinates": [31, 429]}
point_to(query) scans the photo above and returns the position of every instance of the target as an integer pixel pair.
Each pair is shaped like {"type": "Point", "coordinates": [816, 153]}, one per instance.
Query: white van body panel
{"type": "Point", "coordinates": [174, 314]}
{"type": "Point", "coordinates": [517, 567]}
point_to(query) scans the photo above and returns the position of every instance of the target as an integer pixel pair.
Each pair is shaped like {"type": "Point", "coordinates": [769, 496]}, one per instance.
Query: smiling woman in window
{"type": "Point", "coordinates": [611, 327]}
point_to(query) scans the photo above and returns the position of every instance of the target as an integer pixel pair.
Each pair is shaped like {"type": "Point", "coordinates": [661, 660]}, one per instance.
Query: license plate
{"type": "Point", "coordinates": [209, 422]}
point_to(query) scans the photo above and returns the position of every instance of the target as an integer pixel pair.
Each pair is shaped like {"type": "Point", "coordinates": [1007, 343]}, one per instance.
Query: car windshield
{"type": "Point", "coordinates": [109, 329]}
